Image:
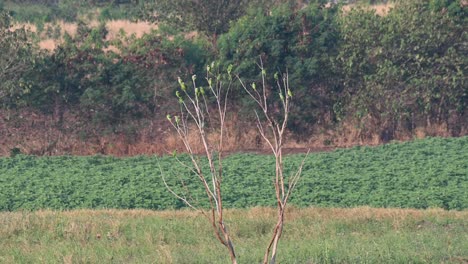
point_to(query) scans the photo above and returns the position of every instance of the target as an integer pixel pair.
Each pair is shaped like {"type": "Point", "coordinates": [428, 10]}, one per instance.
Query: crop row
{"type": "Point", "coordinates": [418, 174]}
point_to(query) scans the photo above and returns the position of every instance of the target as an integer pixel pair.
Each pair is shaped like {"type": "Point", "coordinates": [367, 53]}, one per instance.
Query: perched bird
{"type": "Point", "coordinates": [182, 84]}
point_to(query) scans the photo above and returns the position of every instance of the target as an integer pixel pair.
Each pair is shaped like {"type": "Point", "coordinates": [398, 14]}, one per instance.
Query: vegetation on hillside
{"type": "Point", "coordinates": [420, 174]}
{"type": "Point", "coordinates": [15, 61]}
{"type": "Point", "coordinates": [384, 76]}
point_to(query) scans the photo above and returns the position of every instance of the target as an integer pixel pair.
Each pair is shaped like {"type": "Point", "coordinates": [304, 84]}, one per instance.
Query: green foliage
{"type": "Point", "coordinates": [420, 174]}
{"type": "Point", "coordinates": [76, 68]}
{"type": "Point", "coordinates": [14, 152]}
{"type": "Point", "coordinates": [380, 74]}
{"type": "Point", "coordinates": [39, 12]}
{"type": "Point", "coordinates": [403, 69]}
{"type": "Point", "coordinates": [299, 41]}
{"type": "Point", "coordinates": [16, 56]}
{"type": "Point", "coordinates": [110, 86]}
{"type": "Point", "coordinates": [211, 17]}
{"type": "Point", "coordinates": [164, 55]}
{"type": "Point", "coordinates": [454, 8]}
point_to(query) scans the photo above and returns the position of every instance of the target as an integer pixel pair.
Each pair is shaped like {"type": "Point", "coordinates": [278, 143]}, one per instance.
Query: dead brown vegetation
{"type": "Point", "coordinates": [113, 26]}
{"type": "Point", "coordinates": [380, 9]}
{"type": "Point", "coordinates": [39, 134]}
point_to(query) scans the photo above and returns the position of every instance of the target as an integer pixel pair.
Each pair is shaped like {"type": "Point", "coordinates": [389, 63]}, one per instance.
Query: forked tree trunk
{"type": "Point", "coordinates": [273, 133]}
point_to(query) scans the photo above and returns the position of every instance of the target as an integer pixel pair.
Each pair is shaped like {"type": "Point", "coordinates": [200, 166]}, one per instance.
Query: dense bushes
{"type": "Point", "coordinates": [380, 74]}
{"type": "Point", "coordinates": [15, 61]}
{"type": "Point", "coordinates": [299, 41]}
{"type": "Point", "coordinates": [129, 80]}
{"type": "Point", "coordinates": [402, 70]}
{"type": "Point", "coordinates": [420, 174]}
{"type": "Point", "coordinates": [39, 12]}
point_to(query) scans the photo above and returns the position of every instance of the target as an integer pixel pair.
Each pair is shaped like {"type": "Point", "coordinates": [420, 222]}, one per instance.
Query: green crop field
{"type": "Point", "coordinates": [419, 174]}
{"type": "Point", "coordinates": [430, 173]}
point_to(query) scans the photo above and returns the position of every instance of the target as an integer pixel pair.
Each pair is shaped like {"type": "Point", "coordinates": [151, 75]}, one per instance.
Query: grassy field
{"type": "Point", "coordinates": [430, 173]}
{"type": "Point", "coordinates": [312, 235]}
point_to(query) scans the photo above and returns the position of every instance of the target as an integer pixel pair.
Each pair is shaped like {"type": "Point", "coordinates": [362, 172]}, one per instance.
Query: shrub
{"type": "Point", "coordinates": [299, 40]}
{"type": "Point", "coordinates": [402, 70]}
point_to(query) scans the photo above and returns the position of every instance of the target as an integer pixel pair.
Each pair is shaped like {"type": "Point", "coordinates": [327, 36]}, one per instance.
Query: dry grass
{"type": "Point", "coordinates": [293, 213]}
{"type": "Point", "coordinates": [380, 9]}
{"type": "Point", "coordinates": [432, 130]}
{"type": "Point", "coordinates": [48, 44]}
{"type": "Point", "coordinates": [137, 28]}
{"type": "Point", "coordinates": [312, 235]}
{"type": "Point", "coordinates": [353, 214]}
{"type": "Point", "coordinates": [16, 220]}
{"type": "Point", "coordinates": [113, 26]}
{"type": "Point", "coordinates": [37, 134]}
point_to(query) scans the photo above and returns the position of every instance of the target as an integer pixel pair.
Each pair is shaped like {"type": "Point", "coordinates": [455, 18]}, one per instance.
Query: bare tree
{"type": "Point", "coordinates": [273, 131]}
{"type": "Point", "coordinates": [194, 107]}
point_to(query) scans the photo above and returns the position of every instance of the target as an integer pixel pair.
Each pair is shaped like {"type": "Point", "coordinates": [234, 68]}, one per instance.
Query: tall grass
{"type": "Point", "coordinates": [312, 235]}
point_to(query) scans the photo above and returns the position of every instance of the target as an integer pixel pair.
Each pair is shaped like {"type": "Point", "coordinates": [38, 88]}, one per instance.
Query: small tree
{"type": "Point", "coordinates": [194, 107]}
{"type": "Point", "coordinates": [273, 131]}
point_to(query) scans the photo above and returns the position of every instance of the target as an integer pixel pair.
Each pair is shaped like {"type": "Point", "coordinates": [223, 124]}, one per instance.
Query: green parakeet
{"type": "Point", "coordinates": [281, 96]}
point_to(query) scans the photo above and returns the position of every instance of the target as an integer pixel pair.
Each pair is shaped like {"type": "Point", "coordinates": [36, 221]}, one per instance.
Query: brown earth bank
{"type": "Point", "coordinates": [34, 133]}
